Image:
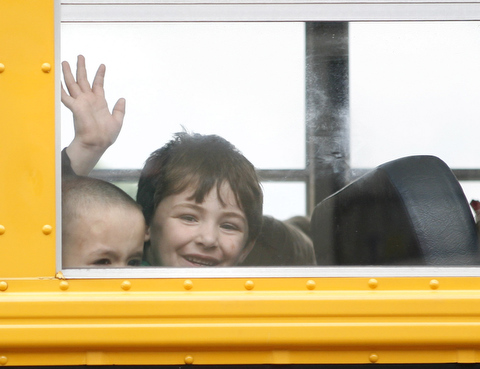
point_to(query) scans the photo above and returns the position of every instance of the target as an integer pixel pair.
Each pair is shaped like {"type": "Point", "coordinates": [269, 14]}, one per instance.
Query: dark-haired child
{"type": "Point", "coordinates": [202, 202]}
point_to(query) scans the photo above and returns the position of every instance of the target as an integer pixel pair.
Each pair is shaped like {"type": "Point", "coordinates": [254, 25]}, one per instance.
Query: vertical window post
{"type": "Point", "coordinates": [327, 108]}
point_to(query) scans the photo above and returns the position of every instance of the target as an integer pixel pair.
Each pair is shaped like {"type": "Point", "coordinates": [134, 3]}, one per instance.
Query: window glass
{"type": "Point", "coordinates": [414, 90]}
{"type": "Point", "coordinates": [242, 81]}
{"type": "Point", "coordinates": [281, 199]}
{"type": "Point", "coordinates": [411, 89]}
{"type": "Point", "coordinates": [284, 199]}
{"type": "Point", "coordinates": [472, 190]}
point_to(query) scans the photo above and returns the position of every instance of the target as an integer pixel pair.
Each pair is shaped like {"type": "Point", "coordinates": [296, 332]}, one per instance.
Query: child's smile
{"type": "Point", "coordinates": [185, 233]}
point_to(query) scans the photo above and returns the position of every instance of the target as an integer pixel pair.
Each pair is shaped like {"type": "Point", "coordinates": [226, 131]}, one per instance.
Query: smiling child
{"type": "Point", "coordinates": [202, 202]}
{"type": "Point", "coordinates": [201, 197]}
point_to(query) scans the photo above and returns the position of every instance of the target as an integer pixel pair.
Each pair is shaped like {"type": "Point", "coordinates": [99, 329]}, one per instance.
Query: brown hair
{"type": "Point", "coordinates": [201, 162]}
{"type": "Point", "coordinates": [282, 243]}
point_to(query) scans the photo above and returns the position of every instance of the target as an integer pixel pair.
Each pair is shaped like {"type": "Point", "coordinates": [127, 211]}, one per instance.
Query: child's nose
{"type": "Point", "coordinates": [120, 264]}
{"type": "Point", "coordinates": [208, 235]}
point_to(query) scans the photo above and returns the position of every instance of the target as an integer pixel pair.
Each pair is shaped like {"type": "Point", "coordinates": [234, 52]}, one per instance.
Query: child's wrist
{"type": "Point", "coordinates": [98, 147]}
{"type": "Point", "coordinates": [84, 157]}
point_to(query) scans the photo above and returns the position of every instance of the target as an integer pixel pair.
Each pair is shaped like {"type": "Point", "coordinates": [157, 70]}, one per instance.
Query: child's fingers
{"type": "Point", "coordinates": [67, 100]}
{"type": "Point", "coordinates": [97, 86]}
{"type": "Point", "coordinates": [119, 110]}
{"type": "Point", "coordinates": [70, 82]}
{"type": "Point", "coordinates": [82, 79]}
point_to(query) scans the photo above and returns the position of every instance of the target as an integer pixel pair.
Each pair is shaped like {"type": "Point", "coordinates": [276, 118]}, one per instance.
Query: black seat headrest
{"type": "Point", "coordinates": [408, 211]}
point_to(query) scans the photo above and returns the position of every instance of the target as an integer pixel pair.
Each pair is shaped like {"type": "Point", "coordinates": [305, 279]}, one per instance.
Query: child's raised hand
{"type": "Point", "coordinates": [95, 127]}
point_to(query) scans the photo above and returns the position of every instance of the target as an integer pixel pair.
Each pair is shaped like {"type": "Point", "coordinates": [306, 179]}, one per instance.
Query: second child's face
{"type": "Point", "coordinates": [185, 233]}
{"type": "Point", "coordinates": [105, 237]}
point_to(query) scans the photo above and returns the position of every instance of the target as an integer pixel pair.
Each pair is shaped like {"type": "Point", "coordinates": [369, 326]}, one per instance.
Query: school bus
{"type": "Point", "coordinates": [353, 316]}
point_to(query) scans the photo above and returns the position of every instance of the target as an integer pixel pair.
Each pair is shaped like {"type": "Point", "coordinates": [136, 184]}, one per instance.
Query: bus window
{"type": "Point", "coordinates": [413, 92]}
{"type": "Point", "coordinates": [312, 105]}
{"type": "Point", "coordinates": [242, 81]}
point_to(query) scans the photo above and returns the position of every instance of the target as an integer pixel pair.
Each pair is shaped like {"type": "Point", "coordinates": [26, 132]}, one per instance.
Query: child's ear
{"type": "Point", "coordinates": [147, 249]}
{"type": "Point", "coordinates": [246, 250]}
{"type": "Point", "coordinates": [147, 234]}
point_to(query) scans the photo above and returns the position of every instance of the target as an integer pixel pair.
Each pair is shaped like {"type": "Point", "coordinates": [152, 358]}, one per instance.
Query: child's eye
{"type": "Point", "coordinates": [134, 262]}
{"type": "Point", "coordinates": [230, 227]}
{"type": "Point", "coordinates": [102, 262]}
{"type": "Point", "coordinates": [188, 218]}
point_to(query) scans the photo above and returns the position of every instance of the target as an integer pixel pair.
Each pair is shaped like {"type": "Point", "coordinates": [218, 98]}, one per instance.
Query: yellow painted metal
{"type": "Point", "coordinates": [52, 321]}
{"type": "Point", "coordinates": [218, 321]}
{"type": "Point", "coordinates": [27, 133]}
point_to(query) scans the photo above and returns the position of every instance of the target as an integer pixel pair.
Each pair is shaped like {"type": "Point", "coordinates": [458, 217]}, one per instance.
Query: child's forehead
{"type": "Point", "coordinates": [110, 210]}
{"type": "Point", "coordinates": [222, 194]}
{"type": "Point", "coordinates": [110, 224]}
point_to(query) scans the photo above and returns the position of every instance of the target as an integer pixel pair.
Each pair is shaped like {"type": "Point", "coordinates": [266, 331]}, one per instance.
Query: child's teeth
{"type": "Point", "coordinates": [200, 262]}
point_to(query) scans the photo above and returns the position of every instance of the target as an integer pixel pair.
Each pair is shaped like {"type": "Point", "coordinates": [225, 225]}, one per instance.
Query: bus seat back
{"type": "Point", "coordinates": [410, 211]}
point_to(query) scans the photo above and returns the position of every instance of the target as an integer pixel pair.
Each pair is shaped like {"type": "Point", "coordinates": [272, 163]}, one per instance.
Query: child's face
{"type": "Point", "coordinates": [185, 233]}
{"type": "Point", "coordinates": [105, 237]}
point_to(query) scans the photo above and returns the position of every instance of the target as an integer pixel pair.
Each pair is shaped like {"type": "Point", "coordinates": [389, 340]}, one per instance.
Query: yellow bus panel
{"type": "Point", "coordinates": [46, 319]}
